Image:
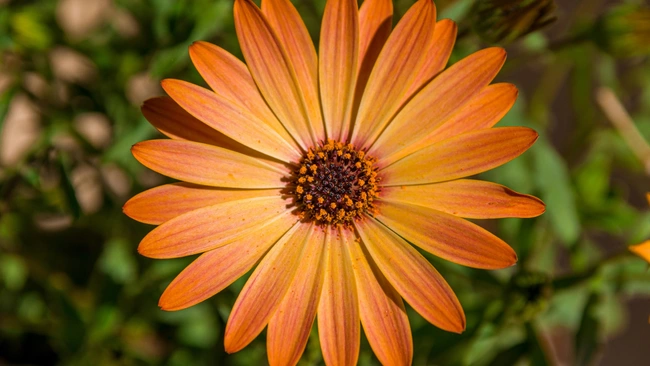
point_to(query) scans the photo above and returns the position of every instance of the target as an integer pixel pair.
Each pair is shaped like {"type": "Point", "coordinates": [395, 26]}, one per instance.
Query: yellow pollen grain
{"type": "Point", "coordinates": [321, 200]}
{"type": "Point", "coordinates": [299, 189]}
{"type": "Point", "coordinates": [332, 205]}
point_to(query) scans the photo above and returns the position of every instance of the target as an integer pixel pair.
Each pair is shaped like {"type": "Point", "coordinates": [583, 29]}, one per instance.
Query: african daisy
{"type": "Point", "coordinates": [324, 170]}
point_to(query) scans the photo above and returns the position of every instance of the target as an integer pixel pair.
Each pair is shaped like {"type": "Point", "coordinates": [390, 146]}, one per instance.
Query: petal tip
{"type": "Point", "coordinates": [196, 46]}
{"type": "Point", "coordinates": [135, 148]}
{"type": "Point", "coordinates": [166, 83]}
{"type": "Point", "coordinates": [496, 53]}
{"type": "Point", "coordinates": [165, 305]}
{"type": "Point", "coordinates": [146, 250]}
{"type": "Point", "coordinates": [458, 325]}
{"type": "Point", "coordinates": [231, 345]}
{"type": "Point", "coordinates": [126, 209]}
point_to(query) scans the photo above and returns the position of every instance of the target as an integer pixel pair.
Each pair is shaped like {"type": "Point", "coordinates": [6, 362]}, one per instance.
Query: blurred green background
{"type": "Point", "coordinates": [74, 291]}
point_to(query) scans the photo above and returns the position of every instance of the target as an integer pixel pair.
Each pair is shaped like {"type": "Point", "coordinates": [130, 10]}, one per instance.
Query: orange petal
{"type": "Point", "coordinates": [215, 226]}
{"type": "Point", "coordinates": [212, 272]}
{"type": "Point", "coordinates": [208, 165]}
{"type": "Point", "coordinates": [165, 202]}
{"type": "Point", "coordinates": [393, 73]}
{"type": "Point", "coordinates": [642, 250]}
{"type": "Point", "coordinates": [375, 23]}
{"type": "Point", "coordinates": [291, 324]}
{"type": "Point", "coordinates": [444, 37]}
{"type": "Point", "coordinates": [271, 68]}
{"type": "Point", "coordinates": [382, 311]}
{"type": "Point", "coordinates": [230, 78]}
{"type": "Point", "coordinates": [484, 110]}
{"type": "Point", "coordinates": [412, 276]}
{"type": "Point", "coordinates": [430, 107]}
{"type": "Point", "coordinates": [472, 199]}
{"type": "Point", "coordinates": [228, 117]}
{"type": "Point", "coordinates": [174, 122]}
{"type": "Point", "coordinates": [294, 38]}
{"type": "Point", "coordinates": [265, 288]}
{"type": "Point", "coordinates": [339, 50]}
{"type": "Point", "coordinates": [461, 156]}
{"type": "Point", "coordinates": [338, 310]}
{"type": "Point", "coordinates": [446, 236]}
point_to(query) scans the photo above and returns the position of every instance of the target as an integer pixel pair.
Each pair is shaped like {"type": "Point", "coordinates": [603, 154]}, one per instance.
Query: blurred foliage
{"type": "Point", "coordinates": [507, 20]}
{"type": "Point", "coordinates": [74, 291]}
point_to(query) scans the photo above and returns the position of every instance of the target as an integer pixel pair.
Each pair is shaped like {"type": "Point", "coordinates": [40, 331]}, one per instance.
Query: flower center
{"type": "Point", "coordinates": [335, 184]}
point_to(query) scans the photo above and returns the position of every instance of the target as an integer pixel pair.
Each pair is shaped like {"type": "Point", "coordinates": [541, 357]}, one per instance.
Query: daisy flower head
{"type": "Point", "coordinates": [324, 171]}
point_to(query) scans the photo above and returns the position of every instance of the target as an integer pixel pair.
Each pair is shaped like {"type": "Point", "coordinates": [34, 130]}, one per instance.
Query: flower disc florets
{"type": "Point", "coordinates": [335, 183]}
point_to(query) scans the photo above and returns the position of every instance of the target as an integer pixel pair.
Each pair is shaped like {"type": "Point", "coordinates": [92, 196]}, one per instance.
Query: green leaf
{"type": "Point", "coordinates": [510, 356]}
{"type": "Point", "coordinates": [118, 262]}
{"type": "Point", "coordinates": [587, 339]}
{"type": "Point", "coordinates": [68, 188]}
{"type": "Point", "coordinates": [592, 180]}
{"type": "Point", "coordinates": [13, 271]}
{"type": "Point", "coordinates": [552, 178]}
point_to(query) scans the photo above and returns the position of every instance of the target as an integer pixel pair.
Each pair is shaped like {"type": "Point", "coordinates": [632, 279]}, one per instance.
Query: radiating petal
{"type": "Point", "coordinates": [208, 165]}
{"type": "Point", "coordinates": [174, 122]}
{"type": "Point", "coordinates": [272, 71]}
{"type": "Point", "coordinates": [338, 53]}
{"type": "Point", "coordinates": [642, 250]}
{"type": "Point", "coordinates": [265, 288]}
{"type": "Point", "coordinates": [381, 310]}
{"type": "Point", "coordinates": [294, 37]}
{"type": "Point", "coordinates": [393, 73]}
{"type": "Point", "coordinates": [291, 324]}
{"type": "Point", "coordinates": [230, 78]}
{"type": "Point", "coordinates": [375, 23]}
{"type": "Point", "coordinates": [444, 37]}
{"type": "Point", "coordinates": [232, 119]}
{"type": "Point", "coordinates": [163, 203]}
{"type": "Point", "coordinates": [438, 100]}
{"type": "Point", "coordinates": [461, 156]}
{"type": "Point", "coordinates": [212, 272]}
{"type": "Point", "coordinates": [338, 311]}
{"type": "Point", "coordinates": [214, 226]}
{"type": "Point", "coordinates": [446, 236]}
{"type": "Point", "coordinates": [412, 276]}
{"type": "Point", "coordinates": [484, 110]}
{"type": "Point", "coordinates": [472, 199]}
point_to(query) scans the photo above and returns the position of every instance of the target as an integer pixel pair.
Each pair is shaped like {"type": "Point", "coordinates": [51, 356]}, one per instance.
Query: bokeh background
{"type": "Point", "coordinates": [74, 291]}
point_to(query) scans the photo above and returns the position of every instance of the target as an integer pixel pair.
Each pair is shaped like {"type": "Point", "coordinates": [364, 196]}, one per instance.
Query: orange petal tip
{"type": "Point", "coordinates": [642, 250]}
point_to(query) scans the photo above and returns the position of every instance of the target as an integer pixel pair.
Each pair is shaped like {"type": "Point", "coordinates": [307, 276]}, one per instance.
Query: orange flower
{"type": "Point", "coordinates": [325, 169]}
{"type": "Point", "coordinates": [643, 249]}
